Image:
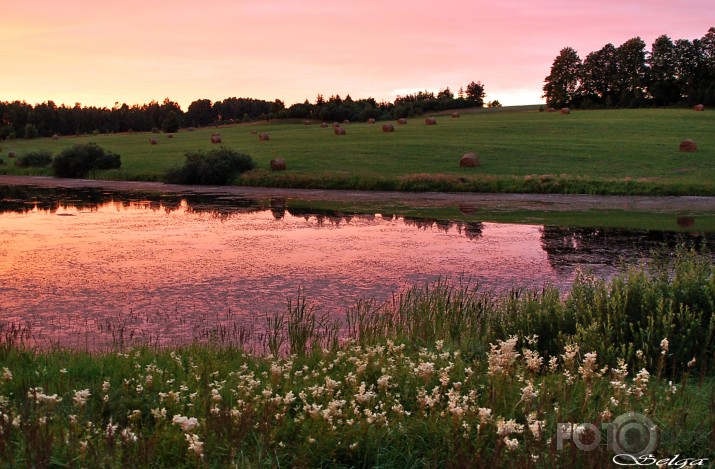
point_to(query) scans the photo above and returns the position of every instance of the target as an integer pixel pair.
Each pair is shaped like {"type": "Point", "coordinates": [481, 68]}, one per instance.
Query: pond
{"type": "Point", "coordinates": [92, 268]}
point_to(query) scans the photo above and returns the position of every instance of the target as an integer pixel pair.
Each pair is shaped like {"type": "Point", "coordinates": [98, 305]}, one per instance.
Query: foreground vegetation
{"type": "Point", "coordinates": [592, 152]}
{"type": "Point", "coordinates": [442, 376]}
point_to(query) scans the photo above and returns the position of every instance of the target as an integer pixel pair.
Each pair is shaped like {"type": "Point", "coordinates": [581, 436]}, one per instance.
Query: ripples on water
{"type": "Point", "coordinates": [94, 270]}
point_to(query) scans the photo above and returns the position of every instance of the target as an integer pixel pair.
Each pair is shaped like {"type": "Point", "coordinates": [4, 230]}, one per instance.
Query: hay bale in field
{"type": "Point", "coordinates": [55, 137]}
{"type": "Point", "coordinates": [336, 125]}
{"type": "Point", "coordinates": [324, 125]}
{"type": "Point", "coordinates": [685, 222]}
{"type": "Point", "coordinates": [551, 109]}
{"type": "Point", "coordinates": [698, 107]}
{"type": "Point", "coordinates": [455, 115]}
{"type": "Point", "coordinates": [11, 154]}
{"type": "Point", "coordinates": [688, 145]}
{"type": "Point", "coordinates": [278, 164]}
{"type": "Point", "coordinates": [306, 122]}
{"type": "Point", "coordinates": [169, 135]}
{"type": "Point", "coordinates": [402, 121]}
{"type": "Point", "coordinates": [263, 136]}
{"type": "Point", "coordinates": [388, 128]}
{"type": "Point", "coordinates": [153, 141]}
{"type": "Point", "coordinates": [565, 110]}
{"type": "Point", "coordinates": [469, 160]}
{"type": "Point", "coordinates": [191, 129]}
{"type": "Point", "coordinates": [371, 121]}
{"type": "Point", "coordinates": [346, 121]}
{"type": "Point", "coordinates": [339, 131]}
{"type": "Point", "coordinates": [216, 138]}
{"type": "Point", "coordinates": [431, 121]}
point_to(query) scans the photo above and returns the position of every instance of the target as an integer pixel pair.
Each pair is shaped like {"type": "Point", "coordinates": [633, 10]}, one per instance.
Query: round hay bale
{"type": "Point", "coordinates": [551, 110]}
{"type": "Point", "coordinates": [153, 141]}
{"type": "Point", "coordinates": [699, 108]}
{"type": "Point", "coordinates": [688, 145]}
{"type": "Point", "coordinates": [469, 160]}
{"type": "Point", "coordinates": [455, 115]}
{"type": "Point", "coordinates": [191, 129]}
{"type": "Point", "coordinates": [339, 131]}
{"type": "Point", "coordinates": [371, 121]}
{"type": "Point", "coordinates": [215, 139]}
{"type": "Point", "coordinates": [388, 128]}
{"type": "Point", "coordinates": [169, 135]}
{"type": "Point", "coordinates": [11, 154]}
{"type": "Point", "coordinates": [685, 222]}
{"type": "Point", "coordinates": [324, 125]}
{"type": "Point", "coordinates": [565, 110]}
{"type": "Point", "coordinates": [346, 121]}
{"type": "Point", "coordinates": [431, 121]}
{"type": "Point", "coordinates": [55, 137]}
{"type": "Point", "coordinates": [278, 164]}
{"type": "Point", "coordinates": [306, 122]}
{"type": "Point", "coordinates": [263, 136]}
{"type": "Point", "coordinates": [336, 125]}
{"type": "Point", "coordinates": [402, 121]}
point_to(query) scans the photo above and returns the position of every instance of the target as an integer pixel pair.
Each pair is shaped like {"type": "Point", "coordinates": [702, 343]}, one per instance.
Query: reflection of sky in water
{"type": "Point", "coordinates": [170, 273]}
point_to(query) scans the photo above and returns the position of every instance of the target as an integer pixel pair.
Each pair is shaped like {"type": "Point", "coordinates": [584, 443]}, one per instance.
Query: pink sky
{"type": "Point", "coordinates": [98, 53]}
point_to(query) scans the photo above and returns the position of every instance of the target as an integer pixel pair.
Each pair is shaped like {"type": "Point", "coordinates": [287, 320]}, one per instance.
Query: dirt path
{"type": "Point", "coordinates": [547, 202]}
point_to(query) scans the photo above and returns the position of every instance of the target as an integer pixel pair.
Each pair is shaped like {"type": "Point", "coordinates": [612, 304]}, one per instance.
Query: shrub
{"type": "Point", "coordinates": [215, 167]}
{"type": "Point", "coordinates": [30, 131]}
{"type": "Point", "coordinates": [37, 159]}
{"type": "Point", "coordinates": [171, 123]}
{"type": "Point", "coordinates": [78, 161]}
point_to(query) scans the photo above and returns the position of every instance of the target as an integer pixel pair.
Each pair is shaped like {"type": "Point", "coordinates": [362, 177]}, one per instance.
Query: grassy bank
{"type": "Point", "coordinates": [593, 152]}
{"type": "Point", "coordinates": [442, 376]}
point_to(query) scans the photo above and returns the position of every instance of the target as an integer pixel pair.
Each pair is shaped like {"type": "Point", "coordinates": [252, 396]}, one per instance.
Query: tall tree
{"type": "Point", "coordinates": [631, 72]}
{"type": "Point", "coordinates": [475, 94]}
{"type": "Point", "coordinates": [597, 74]}
{"type": "Point", "coordinates": [662, 85]}
{"type": "Point", "coordinates": [562, 84]}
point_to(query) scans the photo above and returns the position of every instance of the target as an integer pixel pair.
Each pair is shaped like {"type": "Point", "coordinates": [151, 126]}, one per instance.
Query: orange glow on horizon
{"type": "Point", "coordinates": [99, 53]}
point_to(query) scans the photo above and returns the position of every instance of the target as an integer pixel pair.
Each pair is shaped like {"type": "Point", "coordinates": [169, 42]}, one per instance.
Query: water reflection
{"type": "Point", "coordinates": [92, 268]}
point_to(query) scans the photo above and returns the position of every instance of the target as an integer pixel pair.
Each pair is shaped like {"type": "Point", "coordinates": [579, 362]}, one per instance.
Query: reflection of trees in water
{"type": "Point", "coordinates": [471, 229]}
{"type": "Point", "coordinates": [15, 199]}
{"type": "Point", "coordinates": [567, 248]}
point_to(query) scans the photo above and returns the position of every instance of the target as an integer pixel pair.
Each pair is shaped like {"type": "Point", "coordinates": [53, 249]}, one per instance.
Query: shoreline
{"type": "Point", "coordinates": [547, 202]}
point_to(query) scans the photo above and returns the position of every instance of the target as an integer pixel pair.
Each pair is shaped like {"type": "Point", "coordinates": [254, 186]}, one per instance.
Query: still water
{"type": "Point", "coordinates": [82, 270]}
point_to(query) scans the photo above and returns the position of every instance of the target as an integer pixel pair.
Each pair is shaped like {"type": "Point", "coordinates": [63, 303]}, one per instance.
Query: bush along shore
{"type": "Point", "coordinates": [442, 376]}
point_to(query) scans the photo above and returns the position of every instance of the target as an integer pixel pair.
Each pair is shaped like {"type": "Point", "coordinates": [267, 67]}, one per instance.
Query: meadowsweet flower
{"type": "Point", "coordinates": [569, 355]}
{"type": "Point", "coordinates": [135, 415]}
{"type": "Point", "coordinates": [196, 446]}
{"type": "Point", "coordinates": [111, 429]}
{"type": "Point", "coordinates": [63, 371]}
{"type": "Point", "coordinates": [511, 444]}
{"type": "Point", "coordinates": [528, 393]}
{"type": "Point", "coordinates": [187, 424]}
{"type": "Point", "coordinates": [383, 382]}
{"type": "Point", "coordinates": [424, 370]}
{"type": "Point", "coordinates": [502, 356]}
{"type": "Point", "coordinates": [439, 345]}
{"type": "Point", "coordinates": [128, 435]}
{"type": "Point", "coordinates": [588, 367]}
{"type": "Point", "coordinates": [533, 360]}
{"type": "Point", "coordinates": [484, 414]}
{"type": "Point", "coordinates": [691, 363]}
{"type": "Point", "coordinates": [106, 386]}
{"type": "Point", "coordinates": [509, 426]}
{"type": "Point", "coordinates": [664, 345]}
{"type": "Point", "coordinates": [553, 364]}
{"type": "Point", "coordinates": [159, 414]}
{"type": "Point", "coordinates": [6, 374]}
{"type": "Point", "coordinates": [80, 397]}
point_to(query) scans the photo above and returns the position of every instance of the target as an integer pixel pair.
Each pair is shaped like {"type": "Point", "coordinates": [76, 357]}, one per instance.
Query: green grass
{"type": "Point", "coordinates": [611, 151]}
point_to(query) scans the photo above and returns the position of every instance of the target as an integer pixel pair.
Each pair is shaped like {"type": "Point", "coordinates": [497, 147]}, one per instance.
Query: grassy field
{"type": "Point", "coordinates": [598, 152]}
{"type": "Point", "coordinates": [444, 376]}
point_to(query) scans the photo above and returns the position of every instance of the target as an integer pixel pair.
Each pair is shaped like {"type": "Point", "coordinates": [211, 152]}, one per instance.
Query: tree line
{"type": "Point", "coordinates": [19, 119]}
{"type": "Point", "coordinates": [672, 73]}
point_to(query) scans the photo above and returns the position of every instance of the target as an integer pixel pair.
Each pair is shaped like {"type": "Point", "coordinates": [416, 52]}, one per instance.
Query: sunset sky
{"type": "Point", "coordinates": [98, 53]}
